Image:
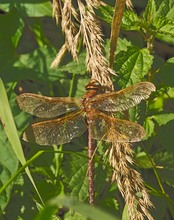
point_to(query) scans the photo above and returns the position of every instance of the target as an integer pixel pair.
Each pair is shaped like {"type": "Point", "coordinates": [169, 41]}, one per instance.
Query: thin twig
{"type": "Point", "coordinates": [115, 29]}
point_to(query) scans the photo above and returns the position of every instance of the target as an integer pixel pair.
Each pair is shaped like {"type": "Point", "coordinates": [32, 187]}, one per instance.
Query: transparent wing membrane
{"type": "Point", "coordinates": [112, 129]}
{"type": "Point", "coordinates": [47, 107]}
{"type": "Point", "coordinates": [124, 99]}
{"type": "Point", "coordinates": [57, 131]}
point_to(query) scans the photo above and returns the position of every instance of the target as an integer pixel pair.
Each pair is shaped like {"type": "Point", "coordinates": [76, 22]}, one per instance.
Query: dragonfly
{"type": "Point", "coordinates": [66, 118]}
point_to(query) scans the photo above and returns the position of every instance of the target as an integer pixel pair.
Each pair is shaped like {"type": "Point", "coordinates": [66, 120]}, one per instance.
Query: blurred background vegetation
{"type": "Point", "coordinates": [29, 42]}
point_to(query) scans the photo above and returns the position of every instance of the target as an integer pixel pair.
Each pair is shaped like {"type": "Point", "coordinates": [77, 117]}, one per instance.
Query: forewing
{"type": "Point", "coordinates": [104, 127]}
{"type": "Point", "coordinates": [58, 131]}
{"type": "Point", "coordinates": [46, 107]}
{"type": "Point", "coordinates": [123, 99]}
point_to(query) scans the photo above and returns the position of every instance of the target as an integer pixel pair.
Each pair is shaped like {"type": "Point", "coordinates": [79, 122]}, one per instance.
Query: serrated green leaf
{"type": "Point", "coordinates": [132, 65]}
{"type": "Point", "coordinates": [150, 12]}
{"type": "Point", "coordinates": [76, 67]}
{"type": "Point", "coordinates": [75, 176]}
{"type": "Point", "coordinates": [130, 21]}
{"type": "Point", "coordinates": [105, 13]}
{"type": "Point", "coordinates": [35, 66]}
{"type": "Point", "coordinates": [163, 119]}
{"type": "Point", "coordinates": [156, 22]}
{"type": "Point", "coordinates": [164, 29]}
{"type": "Point", "coordinates": [165, 8]}
{"type": "Point", "coordinates": [123, 44]}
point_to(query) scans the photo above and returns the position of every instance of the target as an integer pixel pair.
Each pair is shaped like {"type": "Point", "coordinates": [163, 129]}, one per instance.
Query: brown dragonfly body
{"type": "Point", "coordinates": [94, 105]}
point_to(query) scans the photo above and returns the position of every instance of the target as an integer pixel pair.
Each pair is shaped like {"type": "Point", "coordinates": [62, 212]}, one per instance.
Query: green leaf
{"type": "Point", "coordinates": [105, 13]}
{"type": "Point", "coordinates": [32, 8]}
{"type": "Point", "coordinates": [47, 213]}
{"type": "Point", "coordinates": [75, 176]}
{"type": "Point", "coordinates": [156, 22]}
{"type": "Point", "coordinates": [164, 28]}
{"type": "Point", "coordinates": [149, 126]}
{"type": "Point", "coordinates": [132, 65]}
{"type": "Point", "coordinates": [89, 212]}
{"type": "Point", "coordinates": [130, 21]}
{"type": "Point", "coordinates": [163, 119]}
{"type": "Point", "coordinates": [165, 8]}
{"type": "Point", "coordinates": [35, 66]}
{"type": "Point", "coordinates": [150, 12]}
{"type": "Point", "coordinates": [76, 67]}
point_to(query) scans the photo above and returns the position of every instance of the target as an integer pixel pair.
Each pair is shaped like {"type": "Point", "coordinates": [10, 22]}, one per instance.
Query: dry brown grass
{"type": "Point", "coordinates": [129, 181]}
{"type": "Point", "coordinates": [81, 23]}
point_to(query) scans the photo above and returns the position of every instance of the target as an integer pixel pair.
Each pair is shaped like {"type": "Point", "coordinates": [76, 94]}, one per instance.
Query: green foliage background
{"type": "Point", "coordinates": [29, 41]}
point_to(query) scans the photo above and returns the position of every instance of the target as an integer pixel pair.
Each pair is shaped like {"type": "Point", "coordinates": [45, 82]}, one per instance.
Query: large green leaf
{"type": "Point", "coordinates": [33, 66]}
{"type": "Point", "coordinates": [75, 176]}
{"type": "Point", "coordinates": [132, 65]}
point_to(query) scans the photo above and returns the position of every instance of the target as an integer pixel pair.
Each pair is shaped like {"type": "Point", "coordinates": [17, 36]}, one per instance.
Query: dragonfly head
{"type": "Point", "coordinates": [94, 85]}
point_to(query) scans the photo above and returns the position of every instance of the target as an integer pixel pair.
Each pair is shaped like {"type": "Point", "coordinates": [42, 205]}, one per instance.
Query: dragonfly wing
{"type": "Point", "coordinates": [104, 127]}
{"type": "Point", "coordinates": [58, 131]}
{"type": "Point", "coordinates": [123, 99]}
{"type": "Point", "coordinates": [46, 107]}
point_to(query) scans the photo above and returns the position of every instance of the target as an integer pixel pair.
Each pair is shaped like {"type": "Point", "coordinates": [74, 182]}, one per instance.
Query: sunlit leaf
{"type": "Point", "coordinates": [41, 8]}
{"type": "Point", "coordinates": [130, 21]}
{"type": "Point", "coordinates": [149, 127]}
{"type": "Point", "coordinates": [132, 65]}
{"type": "Point", "coordinates": [163, 119]}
